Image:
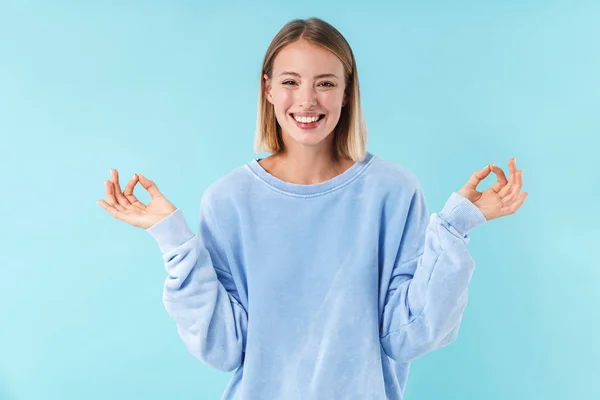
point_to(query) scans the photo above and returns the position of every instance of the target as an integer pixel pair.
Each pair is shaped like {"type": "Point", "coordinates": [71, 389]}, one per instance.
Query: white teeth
{"type": "Point", "coordinates": [306, 119]}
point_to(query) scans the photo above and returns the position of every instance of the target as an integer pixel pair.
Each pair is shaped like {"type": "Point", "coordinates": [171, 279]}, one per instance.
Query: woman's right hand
{"type": "Point", "coordinates": [126, 207]}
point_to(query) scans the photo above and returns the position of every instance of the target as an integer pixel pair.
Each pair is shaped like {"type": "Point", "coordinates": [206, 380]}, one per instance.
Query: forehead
{"type": "Point", "coordinates": [306, 58]}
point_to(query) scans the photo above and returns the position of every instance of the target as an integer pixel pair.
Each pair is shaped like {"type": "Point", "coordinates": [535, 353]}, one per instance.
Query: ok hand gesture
{"type": "Point", "coordinates": [126, 207]}
{"type": "Point", "coordinates": [500, 199]}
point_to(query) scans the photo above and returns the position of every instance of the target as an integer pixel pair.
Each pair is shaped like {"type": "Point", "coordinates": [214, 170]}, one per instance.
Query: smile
{"type": "Point", "coordinates": [308, 122]}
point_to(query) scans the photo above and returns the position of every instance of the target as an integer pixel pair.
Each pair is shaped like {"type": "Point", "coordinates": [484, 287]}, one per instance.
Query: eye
{"type": "Point", "coordinates": [326, 84]}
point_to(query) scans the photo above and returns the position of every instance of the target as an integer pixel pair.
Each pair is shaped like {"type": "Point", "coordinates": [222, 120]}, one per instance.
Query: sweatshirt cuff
{"type": "Point", "coordinates": [462, 214]}
{"type": "Point", "coordinates": [170, 232]}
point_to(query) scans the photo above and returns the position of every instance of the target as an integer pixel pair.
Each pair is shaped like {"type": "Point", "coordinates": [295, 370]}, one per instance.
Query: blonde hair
{"type": "Point", "coordinates": [350, 140]}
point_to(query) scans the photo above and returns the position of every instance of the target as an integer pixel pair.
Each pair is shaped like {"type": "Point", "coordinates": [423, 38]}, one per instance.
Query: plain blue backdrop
{"type": "Point", "coordinates": [169, 89]}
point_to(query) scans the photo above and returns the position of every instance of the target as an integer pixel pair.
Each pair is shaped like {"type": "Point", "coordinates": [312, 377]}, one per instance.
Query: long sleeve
{"type": "Point", "coordinates": [427, 292]}
{"type": "Point", "coordinates": [199, 292]}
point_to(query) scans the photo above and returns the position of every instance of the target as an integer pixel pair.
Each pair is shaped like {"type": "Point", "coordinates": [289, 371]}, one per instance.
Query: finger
{"type": "Point", "coordinates": [128, 192]}
{"type": "Point", "coordinates": [512, 179]}
{"type": "Point", "coordinates": [477, 177]}
{"type": "Point", "coordinates": [110, 195]}
{"type": "Point", "coordinates": [517, 204]}
{"type": "Point", "coordinates": [112, 210]}
{"type": "Point", "coordinates": [512, 164]}
{"type": "Point", "coordinates": [150, 186]}
{"type": "Point", "coordinates": [515, 188]}
{"type": "Point", "coordinates": [501, 180]}
{"type": "Point", "coordinates": [121, 199]}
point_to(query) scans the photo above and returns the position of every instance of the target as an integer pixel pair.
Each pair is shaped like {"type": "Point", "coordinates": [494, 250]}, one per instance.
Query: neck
{"type": "Point", "coordinates": [309, 166]}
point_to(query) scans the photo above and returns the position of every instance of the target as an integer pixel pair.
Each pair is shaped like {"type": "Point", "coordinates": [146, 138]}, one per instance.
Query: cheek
{"type": "Point", "coordinates": [288, 100]}
{"type": "Point", "coordinates": [283, 98]}
{"type": "Point", "coordinates": [331, 100]}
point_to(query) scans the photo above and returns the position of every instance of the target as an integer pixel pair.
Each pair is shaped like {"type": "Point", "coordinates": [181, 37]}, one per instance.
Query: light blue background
{"type": "Point", "coordinates": [169, 89]}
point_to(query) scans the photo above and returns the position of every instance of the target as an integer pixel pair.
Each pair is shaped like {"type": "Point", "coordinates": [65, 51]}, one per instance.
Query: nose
{"type": "Point", "coordinates": [307, 96]}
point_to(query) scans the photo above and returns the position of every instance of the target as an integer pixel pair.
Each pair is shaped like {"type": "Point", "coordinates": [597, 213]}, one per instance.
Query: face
{"type": "Point", "coordinates": [308, 81]}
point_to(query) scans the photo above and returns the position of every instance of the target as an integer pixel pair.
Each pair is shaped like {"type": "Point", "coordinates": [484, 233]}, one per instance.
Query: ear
{"type": "Point", "coordinates": [268, 88]}
{"type": "Point", "coordinates": [345, 100]}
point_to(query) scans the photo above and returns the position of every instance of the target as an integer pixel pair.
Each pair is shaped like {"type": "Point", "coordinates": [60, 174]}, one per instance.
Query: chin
{"type": "Point", "coordinates": [308, 138]}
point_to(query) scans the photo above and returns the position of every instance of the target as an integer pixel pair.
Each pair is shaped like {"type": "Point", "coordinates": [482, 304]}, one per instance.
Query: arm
{"type": "Point", "coordinates": [427, 293]}
{"type": "Point", "coordinates": [199, 292]}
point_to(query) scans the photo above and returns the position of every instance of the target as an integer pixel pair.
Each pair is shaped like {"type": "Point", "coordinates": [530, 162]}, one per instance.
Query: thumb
{"type": "Point", "coordinates": [150, 186]}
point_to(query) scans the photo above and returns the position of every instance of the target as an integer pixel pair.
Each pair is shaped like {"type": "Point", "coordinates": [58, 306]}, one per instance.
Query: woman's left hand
{"type": "Point", "coordinates": [500, 199]}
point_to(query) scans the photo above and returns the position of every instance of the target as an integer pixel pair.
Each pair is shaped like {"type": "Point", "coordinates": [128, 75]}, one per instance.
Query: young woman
{"type": "Point", "coordinates": [317, 272]}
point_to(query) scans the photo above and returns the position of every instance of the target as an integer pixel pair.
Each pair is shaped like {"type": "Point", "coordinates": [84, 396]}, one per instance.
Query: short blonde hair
{"type": "Point", "coordinates": [350, 139]}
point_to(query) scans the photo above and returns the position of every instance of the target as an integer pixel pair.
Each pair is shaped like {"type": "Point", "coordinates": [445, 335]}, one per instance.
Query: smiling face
{"type": "Point", "coordinates": [308, 81]}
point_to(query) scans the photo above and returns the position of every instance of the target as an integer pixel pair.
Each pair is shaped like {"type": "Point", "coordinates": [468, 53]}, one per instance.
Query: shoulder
{"type": "Point", "coordinates": [400, 192]}
{"type": "Point", "coordinates": [393, 176]}
{"type": "Point", "coordinates": [228, 186]}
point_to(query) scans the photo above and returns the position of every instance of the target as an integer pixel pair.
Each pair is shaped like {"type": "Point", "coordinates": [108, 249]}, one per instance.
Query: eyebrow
{"type": "Point", "coordinates": [316, 76]}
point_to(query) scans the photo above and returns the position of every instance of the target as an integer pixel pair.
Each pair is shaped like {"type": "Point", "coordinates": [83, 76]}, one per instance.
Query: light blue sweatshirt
{"type": "Point", "coordinates": [317, 292]}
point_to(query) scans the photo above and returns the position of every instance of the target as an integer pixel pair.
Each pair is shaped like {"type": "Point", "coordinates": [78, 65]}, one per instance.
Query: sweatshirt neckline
{"type": "Point", "coordinates": [296, 189]}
